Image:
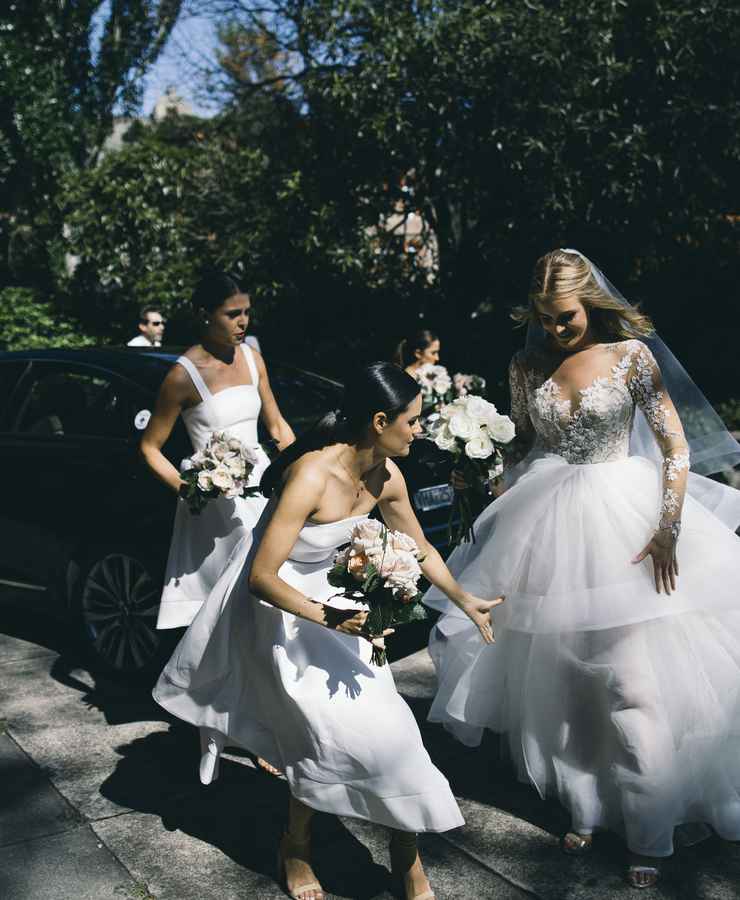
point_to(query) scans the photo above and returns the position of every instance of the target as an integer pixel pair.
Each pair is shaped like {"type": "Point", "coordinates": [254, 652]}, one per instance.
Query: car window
{"type": "Point", "coordinates": [302, 397]}
{"type": "Point", "coordinates": [77, 404]}
{"type": "Point", "coordinates": [10, 372]}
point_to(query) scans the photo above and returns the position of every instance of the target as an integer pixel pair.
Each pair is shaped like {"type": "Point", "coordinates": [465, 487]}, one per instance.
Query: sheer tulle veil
{"type": "Point", "coordinates": [713, 448]}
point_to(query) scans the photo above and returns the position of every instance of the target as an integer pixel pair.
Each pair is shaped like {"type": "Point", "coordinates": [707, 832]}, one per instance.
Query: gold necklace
{"type": "Point", "coordinates": [357, 482]}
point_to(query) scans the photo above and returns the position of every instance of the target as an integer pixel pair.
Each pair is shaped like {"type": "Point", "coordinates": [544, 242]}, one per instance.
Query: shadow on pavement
{"type": "Point", "coordinates": [243, 814]}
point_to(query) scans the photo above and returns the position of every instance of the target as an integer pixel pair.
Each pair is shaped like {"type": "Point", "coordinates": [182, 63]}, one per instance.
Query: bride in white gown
{"type": "Point", "coordinates": [615, 676]}
{"type": "Point", "coordinates": [281, 666]}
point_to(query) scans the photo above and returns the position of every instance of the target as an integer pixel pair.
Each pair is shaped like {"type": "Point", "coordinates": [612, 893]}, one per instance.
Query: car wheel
{"type": "Point", "coordinates": [119, 601]}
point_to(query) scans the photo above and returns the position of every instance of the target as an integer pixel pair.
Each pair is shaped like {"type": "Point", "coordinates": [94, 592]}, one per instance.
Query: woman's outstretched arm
{"type": "Point", "coordinates": [398, 514]}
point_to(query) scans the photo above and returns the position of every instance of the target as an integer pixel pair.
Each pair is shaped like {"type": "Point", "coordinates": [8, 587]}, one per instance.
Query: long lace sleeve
{"type": "Point", "coordinates": [522, 443]}
{"type": "Point", "coordinates": [646, 387]}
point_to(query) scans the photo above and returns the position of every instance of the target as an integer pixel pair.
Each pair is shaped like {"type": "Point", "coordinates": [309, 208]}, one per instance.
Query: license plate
{"type": "Point", "coordinates": [433, 497]}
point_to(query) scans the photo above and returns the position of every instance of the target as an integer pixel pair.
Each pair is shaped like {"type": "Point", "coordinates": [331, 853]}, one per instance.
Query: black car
{"type": "Point", "coordinates": [85, 527]}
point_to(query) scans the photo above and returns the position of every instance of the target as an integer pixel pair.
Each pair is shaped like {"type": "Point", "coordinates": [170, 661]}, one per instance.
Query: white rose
{"type": "Point", "coordinates": [235, 466]}
{"type": "Point", "coordinates": [222, 479]}
{"type": "Point", "coordinates": [442, 384]}
{"type": "Point", "coordinates": [479, 447]}
{"type": "Point", "coordinates": [367, 537]}
{"type": "Point", "coordinates": [187, 464]}
{"type": "Point", "coordinates": [199, 459]}
{"type": "Point", "coordinates": [205, 480]}
{"type": "Point", "coordinates": [248, 455]}
{"type": "Point", "coordinates": [444, 439]}
{"type": "Point", "coordinates": [461, 425]}
{"type": "Point", "coordinates": [234, 444]}
{"type": "Point", "coordinates": [401, 571]}
{"type": "Point", "coordinates": [478, 408]}
{"type": "Point", "coordinates": [218, 451]}
{"type": "Point", "coordinates": [501, 428]}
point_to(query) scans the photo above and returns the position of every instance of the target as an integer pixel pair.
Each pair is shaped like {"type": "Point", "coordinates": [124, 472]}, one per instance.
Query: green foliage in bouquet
{"type": "Point", "coordinates": [197, 499]}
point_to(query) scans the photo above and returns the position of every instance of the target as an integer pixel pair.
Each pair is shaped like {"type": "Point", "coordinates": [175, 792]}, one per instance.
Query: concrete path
{"type": "Point", "coordinates": [99, 799]}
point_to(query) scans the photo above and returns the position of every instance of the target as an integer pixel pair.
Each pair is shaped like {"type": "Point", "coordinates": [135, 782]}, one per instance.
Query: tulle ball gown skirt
{"type": "Point", "coordinates": [622, 702]}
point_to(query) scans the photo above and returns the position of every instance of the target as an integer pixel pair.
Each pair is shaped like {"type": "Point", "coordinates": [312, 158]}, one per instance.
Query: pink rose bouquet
{"type": "Point", "coordinates": [380, 568]}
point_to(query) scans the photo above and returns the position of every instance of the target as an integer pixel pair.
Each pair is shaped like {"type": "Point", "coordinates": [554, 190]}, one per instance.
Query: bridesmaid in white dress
{"type": "Point", "coordinates": [422, 348]}
{"type": "Point", "coordinates": [282, 667]}
{"type": "Point", "coordinates": [220, 384]}
{"type": "Point", "coordinates": [615, 678]}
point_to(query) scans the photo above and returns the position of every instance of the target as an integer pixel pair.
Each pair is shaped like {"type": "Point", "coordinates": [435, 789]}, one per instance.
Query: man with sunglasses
{"type": "Point", "coordinates": [151, 326]}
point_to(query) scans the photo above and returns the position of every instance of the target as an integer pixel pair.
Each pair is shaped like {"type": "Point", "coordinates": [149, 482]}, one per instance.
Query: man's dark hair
{"type": "Point", "coordinates": [145, 311]}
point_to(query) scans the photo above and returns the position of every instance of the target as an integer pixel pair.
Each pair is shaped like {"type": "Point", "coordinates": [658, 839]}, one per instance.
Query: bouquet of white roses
{"type": "Point", "coordinates": [473, 431]}
{"type": "Point", "coordinates": [221, 468]}
{"type": "Point", "coordinates": [380, 568]}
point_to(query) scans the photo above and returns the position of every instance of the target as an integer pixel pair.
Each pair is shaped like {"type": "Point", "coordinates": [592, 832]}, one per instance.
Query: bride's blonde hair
{"type": "Point", "coordinates": [560, 274]}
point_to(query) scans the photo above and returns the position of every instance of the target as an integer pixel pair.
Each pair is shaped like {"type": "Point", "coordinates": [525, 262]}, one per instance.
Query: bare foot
{"type": "Point", "coordinates": [415, 882]}
{"type": "Point", "coordinates": [300, 881]}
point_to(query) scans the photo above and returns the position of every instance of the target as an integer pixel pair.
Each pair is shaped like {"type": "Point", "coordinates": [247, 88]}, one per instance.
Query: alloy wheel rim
{"type": "Point", "coordinates": [119, 605]}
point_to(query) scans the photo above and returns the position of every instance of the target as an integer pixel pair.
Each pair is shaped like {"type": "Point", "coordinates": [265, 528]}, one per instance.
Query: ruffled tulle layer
{"type": "Point", "coordinates": [560, 542]}
{"type": "Point", "coordinates": [622, 702]}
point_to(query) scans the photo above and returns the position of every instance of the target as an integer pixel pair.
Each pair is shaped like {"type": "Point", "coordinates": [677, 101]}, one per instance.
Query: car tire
{"type": "Point", "coordinates": [118, 593]}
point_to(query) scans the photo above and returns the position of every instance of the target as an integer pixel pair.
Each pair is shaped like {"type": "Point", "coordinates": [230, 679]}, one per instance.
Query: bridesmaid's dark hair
{"type": "Point", "coordinates": [379, 387]}
{"type": "Point", "coordinates": [213, 288]}
{"type": "Point", "coordinates": [406, 350]}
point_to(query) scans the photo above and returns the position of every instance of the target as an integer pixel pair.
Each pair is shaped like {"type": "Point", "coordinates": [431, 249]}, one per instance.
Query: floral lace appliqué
{"type": "Point", "coordinates": [647, 397]}
{"type": "Point", "coordinates": [597, 430]}
{"type": "Point", "coordinates": [675, 464]}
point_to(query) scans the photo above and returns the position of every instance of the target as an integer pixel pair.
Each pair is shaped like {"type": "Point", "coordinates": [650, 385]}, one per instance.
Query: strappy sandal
{"type": "Point", "coordinates": [301, 891]}
{"type": "Point", "coordinates": [575, 844]}
{"type": "Point", "coordinates": [264, 766]}
{"type": "Point", "coordinates": [633, 871]}
{"type": "Point", "coordinates": [404, 852]}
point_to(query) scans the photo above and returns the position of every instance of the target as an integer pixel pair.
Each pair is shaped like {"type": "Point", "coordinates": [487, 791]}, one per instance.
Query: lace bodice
{"type": "Point", "coordinates": [598, 428]}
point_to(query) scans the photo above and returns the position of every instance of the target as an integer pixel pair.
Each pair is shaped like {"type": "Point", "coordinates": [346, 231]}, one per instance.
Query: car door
{"type": "Point", "coordinates": [69, 441]}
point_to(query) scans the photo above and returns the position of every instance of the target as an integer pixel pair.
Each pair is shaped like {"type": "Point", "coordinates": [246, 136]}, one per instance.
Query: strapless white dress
{"type": "Point", "coordinates": [306, 698]}
{"type": "Point", "coordinates": [622, 702]}
{"type": "Point", "coordinates": [202, 544]}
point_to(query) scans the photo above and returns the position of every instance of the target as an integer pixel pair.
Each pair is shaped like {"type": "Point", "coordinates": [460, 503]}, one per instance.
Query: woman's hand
{"type": "Point", "coordinates": [352, 622]}
{"type": "Point", "coordinates": [479, 613]}
{"type": "Point", "coordinates": [662, 548]}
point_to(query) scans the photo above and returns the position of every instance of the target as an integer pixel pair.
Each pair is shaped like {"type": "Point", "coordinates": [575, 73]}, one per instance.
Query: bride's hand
{"type": "Point", "coordinates": [479, 613]}
{"type": "Point", "coordinates": [662, 548]}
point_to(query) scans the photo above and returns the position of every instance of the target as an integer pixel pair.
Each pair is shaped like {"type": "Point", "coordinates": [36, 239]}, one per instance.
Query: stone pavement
{"type": "Point", "coordinates": [99, 799]}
